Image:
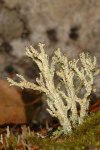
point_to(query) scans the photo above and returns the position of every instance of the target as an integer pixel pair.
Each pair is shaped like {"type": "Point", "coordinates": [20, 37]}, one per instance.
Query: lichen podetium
{"type": "Point", "coordinates": [68, 72]}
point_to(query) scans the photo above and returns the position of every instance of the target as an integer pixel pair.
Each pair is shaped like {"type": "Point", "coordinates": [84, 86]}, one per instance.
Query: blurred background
{"type": "Point", "coordinates": [71, 25]}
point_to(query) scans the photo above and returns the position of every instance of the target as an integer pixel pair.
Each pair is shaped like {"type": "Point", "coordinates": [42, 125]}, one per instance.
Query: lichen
{"type": "Point", "coordinates": [68, 72]}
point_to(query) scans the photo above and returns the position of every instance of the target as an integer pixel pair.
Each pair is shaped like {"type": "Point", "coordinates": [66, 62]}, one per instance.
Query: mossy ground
{"type": "Point", "coordinates": [87, 134]}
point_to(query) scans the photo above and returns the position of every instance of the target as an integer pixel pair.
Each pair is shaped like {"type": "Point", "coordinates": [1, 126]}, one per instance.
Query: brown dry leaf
{"type": "Point", "coordinates": [11, 105]}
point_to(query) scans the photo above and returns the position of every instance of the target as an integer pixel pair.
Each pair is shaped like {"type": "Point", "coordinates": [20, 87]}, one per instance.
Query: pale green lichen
{"type": "Point", "coordinates": [69, 72]}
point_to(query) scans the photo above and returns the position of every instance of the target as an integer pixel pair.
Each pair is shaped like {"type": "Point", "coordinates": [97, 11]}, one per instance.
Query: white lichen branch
{"type": "Point", "coordinates": [70, 74]}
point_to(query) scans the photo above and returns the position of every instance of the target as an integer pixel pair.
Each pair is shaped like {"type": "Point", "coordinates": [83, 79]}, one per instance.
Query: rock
{"type": "Point", "coordinates": [19, 47]}
{"type": "Point", "coordinates": [11, 105]}
{"type": "Point", "coordinates": [10, 24]}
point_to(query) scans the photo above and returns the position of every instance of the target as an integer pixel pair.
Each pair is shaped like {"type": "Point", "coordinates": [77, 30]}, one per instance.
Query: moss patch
{"type": "Point", "coordinates": [87, 134]}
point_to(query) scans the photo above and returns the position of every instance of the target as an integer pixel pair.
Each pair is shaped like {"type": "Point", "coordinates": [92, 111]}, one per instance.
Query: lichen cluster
{"type": "Point", "coordinates": [68, 73]}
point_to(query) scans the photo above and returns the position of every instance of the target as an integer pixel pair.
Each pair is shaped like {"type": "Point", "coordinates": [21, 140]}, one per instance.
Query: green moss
{"type": "Point", "coordinates": [87, 134]}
